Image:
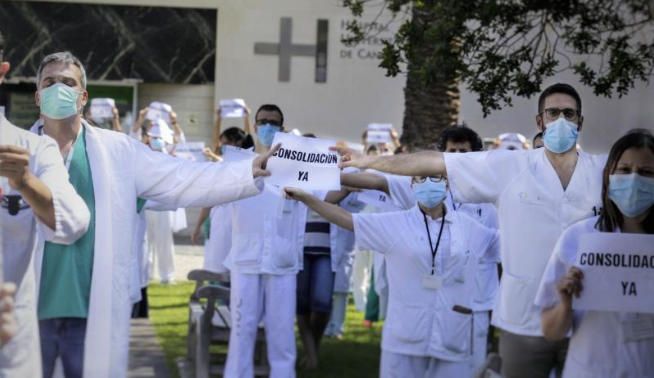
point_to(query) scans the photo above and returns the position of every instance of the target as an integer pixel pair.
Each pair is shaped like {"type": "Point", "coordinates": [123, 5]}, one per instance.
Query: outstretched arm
{"type": "Point", "coordinates": [424, 163]}
{"type": "Point", "coordinates": [365, 180]}
{"type": "Point", "coordinates": [333, 213]}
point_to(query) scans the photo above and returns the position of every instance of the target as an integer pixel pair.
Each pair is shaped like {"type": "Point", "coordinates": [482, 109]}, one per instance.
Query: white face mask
{"type": "Point", "coordinates": [59, 101]}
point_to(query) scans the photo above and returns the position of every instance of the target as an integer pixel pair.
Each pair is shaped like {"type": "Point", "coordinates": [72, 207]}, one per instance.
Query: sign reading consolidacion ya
{"type": "Point", "coordinates": [618, 272]}
{"type": "Point", "coordinates": [305, 163]}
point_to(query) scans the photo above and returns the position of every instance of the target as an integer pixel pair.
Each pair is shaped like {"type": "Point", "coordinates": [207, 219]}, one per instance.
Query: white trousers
{"type": "Point", "coordinates": [479, 340]}
{"type": "Point", "coordinates": [257, 297]}
{"type": "Point", "coordinates": [160, 243]}
{"type": "Point", "coordinates": [395, 365]}
{"type": "Point", "coordinates": [336, 324]}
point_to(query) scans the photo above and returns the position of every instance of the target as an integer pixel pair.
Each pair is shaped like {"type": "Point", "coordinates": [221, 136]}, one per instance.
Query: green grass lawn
{"type": "Point", "coordinates": [357, 355]}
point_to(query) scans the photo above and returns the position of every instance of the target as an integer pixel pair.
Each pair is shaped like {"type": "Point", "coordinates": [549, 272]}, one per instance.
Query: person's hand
{"type": "Point", "coordinates": [246, 110]}
{"type": "Point", "coordinates": [260, 162]}
{"type": "Point", "coordinates": [4, 68]}
{"type": "Point", "coordinates": [570, 286]}
{"type": "Point", "coordinates": [8, 326]}
{"type": "Point", "coordinates": [142, 113]}
{"type": "Point", "coordinates": [195, 236]}
{"type": "Point", "coordinates": [173, 118]}
{"type": "Point", "coordinates": [210, 155]}
{"type": "Point", "coordinates": [394, 134]}
{"type": "Point", "coordinates": [14, 165]}
{"type": "Point", "coordinates": [296, 194]}
{"type": "Point", "coordinates": [114, 112]}
{"type": "Point", "coordinates": [351, 158]}
{"type": "Point", "coordinates": [219, 113]}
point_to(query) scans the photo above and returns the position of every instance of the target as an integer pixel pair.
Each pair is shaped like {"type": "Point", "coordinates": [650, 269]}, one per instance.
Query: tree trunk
{"type": "Point", "coordinates": [431, 98]}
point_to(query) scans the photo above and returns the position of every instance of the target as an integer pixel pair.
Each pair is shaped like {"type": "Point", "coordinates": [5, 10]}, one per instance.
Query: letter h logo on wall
{"type": "Point", "coordinates": [286, 49]}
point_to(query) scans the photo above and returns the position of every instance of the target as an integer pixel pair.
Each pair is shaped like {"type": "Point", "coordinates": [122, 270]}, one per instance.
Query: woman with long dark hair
{"type": "Point", "coordinates": [601, 342]}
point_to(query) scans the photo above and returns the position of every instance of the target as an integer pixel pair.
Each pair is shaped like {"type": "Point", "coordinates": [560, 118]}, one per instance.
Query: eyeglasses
{"type": "Point", "coordinates": [554, 113]}
{"type": "Point", "coordinates": [422, 179]}
{"type": "Point", "coordinates": [265, 121]}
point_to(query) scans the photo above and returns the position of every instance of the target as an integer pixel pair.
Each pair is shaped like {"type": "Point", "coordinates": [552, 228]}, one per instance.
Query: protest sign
{"type": "Point", "coordinates": [378, 199]}
{"type": "Point", "coordinates": [102, 109]}
{"type": "Point", "coordinates": [192, 151]}
{"type": "Point", "coordinates": [159, 110]}
{"type": "Point", "coordinates": [618, 272]}
{"type": "Point", "coordinates": [305, 163]}
{"type": "Point", "coordinates": [234, 108]}
{"type": "Point", "coordinates": [379, 133]}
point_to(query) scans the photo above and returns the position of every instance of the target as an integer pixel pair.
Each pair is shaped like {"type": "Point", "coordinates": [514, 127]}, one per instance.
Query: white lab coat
{"type": "Point", "coordinates": [533, 210]}
{"type": "Point", "coordinates": [140, 270]}
{"type": "Point", "coordinates": [421, 321]}
{"type": "Point", "coordinates": [267, 234]}
{"type": "Point", "coordinates": [487, 281]}
{"type": "Point", "coordinates": [220, 239]}
{"type": "Point", "coordinates": [124, 169]}
{"type": "Point", "coordinates": [161, 247]}
{"type": "Point", "coordinates": [21, 357]}
{"type": "Point", "coordinates": [598, 346]}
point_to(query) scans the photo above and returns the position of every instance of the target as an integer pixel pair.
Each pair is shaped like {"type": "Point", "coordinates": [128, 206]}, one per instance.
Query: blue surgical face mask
{"type": "Point", "coordinates": [157, 144]}
{"type": "Point", "coordinates": [59, 101]}
{"type": "Point", "coordinates": [266, 133]}
{"type": "Point", "coordinates": [560, 135]}
{"type": "Point", "coordinates": [429, 193]}
{"type": "Point", "coordinates": [633, 194]}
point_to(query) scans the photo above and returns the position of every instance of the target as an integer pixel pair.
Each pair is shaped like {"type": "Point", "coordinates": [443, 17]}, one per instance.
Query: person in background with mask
{"type": "Point", "coordinates": [538, 193]}
{"type": "Point", "coordinates": [84, 301]}
{"type": "Point", "coordinates": [265, 257]}
{"type": "Point", "coordinates": [232, 136]}
{"type": "Point", "coordinates": [38, 204]}
{"type": "Point", "coordinates": [216, 221]}
{"type": "Point", "coordinates": [456, 139]}
{"type": "Point", "coordinates": [160, 224]}
{"type": "Point", "coordinates": [603, 344]}
{"type": "Point", "coordinates": [431, 254]}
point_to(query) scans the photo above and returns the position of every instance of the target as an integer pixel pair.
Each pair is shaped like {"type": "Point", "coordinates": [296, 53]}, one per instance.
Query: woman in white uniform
{"type": "Point", "coordinates": [430, 268]}
{"type": "Point", "coordinates": [601, 345]}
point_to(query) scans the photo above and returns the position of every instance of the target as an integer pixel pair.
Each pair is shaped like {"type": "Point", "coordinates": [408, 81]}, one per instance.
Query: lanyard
{"type": "Point", "coordinates": [438, 241]}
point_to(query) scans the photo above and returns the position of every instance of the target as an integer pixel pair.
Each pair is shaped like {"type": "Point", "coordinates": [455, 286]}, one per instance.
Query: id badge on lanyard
{"type": "Point", "coordinates": [433, 281]}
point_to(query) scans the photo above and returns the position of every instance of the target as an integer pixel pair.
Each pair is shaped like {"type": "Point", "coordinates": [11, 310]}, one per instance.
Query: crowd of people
{"type": "Point", "coordinates": [437, 229]}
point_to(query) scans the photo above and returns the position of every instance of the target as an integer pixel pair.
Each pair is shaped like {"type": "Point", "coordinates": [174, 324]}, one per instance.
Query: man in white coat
{"type": "Point", "coordinates": [41, 205]}
{"type": "Point", "coordinates": [538, 194]}
{"type": "Point", "coordinates": [84, 302]}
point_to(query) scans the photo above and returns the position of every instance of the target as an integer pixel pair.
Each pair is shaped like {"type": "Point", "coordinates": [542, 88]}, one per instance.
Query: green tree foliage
{"type": "Point", "coordinates": [502, 48]}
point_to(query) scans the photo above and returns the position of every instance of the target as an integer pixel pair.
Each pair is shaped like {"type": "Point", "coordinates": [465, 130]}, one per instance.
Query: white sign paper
{"type": "Point", "coordinates": [234, 108]}
{"type": "Point", "coordinates": [378, 199]}
{"type": "Point", "coordinates": [159, 110]}
{"type": "Point", "coordinates": [102, 109]}
{"type": "Point", "coordinates": [192, 151]}
{"type": "Point", "coordinates": [618, 272]}
{"type": "Point", "coordinates": [379, 133]}
{"type": "Point", "coordinates": [2, 111]}
{"type": "Point", "coordinates": [305, 163]}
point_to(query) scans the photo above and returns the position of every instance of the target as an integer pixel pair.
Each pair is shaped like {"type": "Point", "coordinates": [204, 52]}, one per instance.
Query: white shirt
{"type": "Point", "coordinates": [421, 321]}
{"type": "Point", "coordinates": [533, 210]}
{"type": "Point", "coordinates": [267, 234]}
{"type": "Point", "coordinates": [598, 346]}
{"type": "Point", "coordinates": [486, 279]}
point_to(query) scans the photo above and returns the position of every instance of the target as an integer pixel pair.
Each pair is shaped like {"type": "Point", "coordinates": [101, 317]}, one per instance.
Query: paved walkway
{"type": "Point", "coordinates": [146, 357]}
